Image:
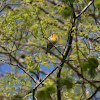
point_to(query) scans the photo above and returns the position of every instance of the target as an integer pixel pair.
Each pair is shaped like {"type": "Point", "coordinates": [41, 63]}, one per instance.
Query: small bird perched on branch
{"type": "Point", "coordinates": [52, 41]}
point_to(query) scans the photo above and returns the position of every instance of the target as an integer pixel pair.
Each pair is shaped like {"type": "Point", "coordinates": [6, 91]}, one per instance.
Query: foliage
{"type": "Point", "coordinates": [43, 93]}
{"type": "Point", "coordinates": [66, 82]}
{"type": "Point", "coordinates": [26, 25]}
{"type": "Point", "coordinates": [90, 65]}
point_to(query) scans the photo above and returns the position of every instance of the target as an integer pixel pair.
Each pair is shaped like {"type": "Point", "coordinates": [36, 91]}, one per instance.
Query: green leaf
{"type": "Point", "coordinates": [50, 88]}
{"type": "Point", "coordinates": [93, 63]}
{"type": "Point", "coordinates": [84, 65]}
{"type": "Point", "coordinates": [71, 1]}
{"type": "Point", "coordinates": [25, 97]}
{"type": "Point", "coordinates": [66, 0]}
{"type": "Point", "coordinates": [13, 88]}
{"type": "Point", "coordinates": [67, 82]}
{"type": "Point", "coordinates": [92, 72]}
{"type": "Point", "coordinates": [90, 66]}
{"type": "Point", "coordinates": [37, 66]}
{"type": "Point", "coordinates": [66, 12]}
{"type": "Point", "coordinates": [43, 93]}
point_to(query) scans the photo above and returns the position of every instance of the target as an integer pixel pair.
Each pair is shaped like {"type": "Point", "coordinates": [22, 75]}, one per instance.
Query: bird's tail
{"type": "Point", "coordinates": [46, 52]}
{"type": "Point", "coordinates": [49, 46]}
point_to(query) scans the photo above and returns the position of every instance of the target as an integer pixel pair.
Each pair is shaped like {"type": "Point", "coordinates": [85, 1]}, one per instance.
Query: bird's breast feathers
{"type": "Point", "coordinates": [52, 39]}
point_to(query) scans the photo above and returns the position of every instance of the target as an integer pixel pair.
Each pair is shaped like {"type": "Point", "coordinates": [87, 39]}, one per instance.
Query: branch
{"type": "Point", "coordinates": [33, 44]}
{"type": "Point", "coordinates": [26, 73]}
{"type": "Point", "coordinates": [56, 69]}
{"type": "Point", "coordinates": [56, 25]}
{"type": "Point", "coordinates": [58, 84]}
{"type": "Point", "coordinates": [21, 69]}
{"type": "Point", "coordinates": [85, 8]}
{"type": "Point", "coordinates": [43, 81]}
{"type": "Point", "coordinates": [3, 5]}
{"type": "Point", "coordinates": [38, 46]}
{"type": "Point", "coordinates": [42, 47]}
{"type": "Point", "coordinates": [93, 39]}
{"type": "Point", "coordinates": [95, 17]}
{"type": "Point", "coordinates": [53, 2]}
{"type": "Point", "coordinates": [70, 38]}
{"type": "Point", "coordinates": [4, 97]}
{"type": "Point", "coordinates": [92, 81]}
{"type": "Point", "coordinates": [51, 15]}
{"type": "Point", "coordinates": [80, 75]}
{"type": "Point", "coordinates": [98, 89]}
{"type": "Point", "coordinates": [11, 56]}
{"type": "Point", "coordinates": [78, 58]}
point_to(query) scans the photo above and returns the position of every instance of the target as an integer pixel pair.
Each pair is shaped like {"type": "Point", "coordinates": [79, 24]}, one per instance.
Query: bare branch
{"type": "Point", "coordinates": [51, 15]}
{"type": "Point", "coordinates": [85, 8]}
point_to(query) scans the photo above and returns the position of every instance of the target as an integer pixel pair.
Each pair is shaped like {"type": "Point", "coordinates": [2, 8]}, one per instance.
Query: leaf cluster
{"type": "Point", "coordinates": [45, 92]}
{"type": "Point", "coordinates": [90, 65]}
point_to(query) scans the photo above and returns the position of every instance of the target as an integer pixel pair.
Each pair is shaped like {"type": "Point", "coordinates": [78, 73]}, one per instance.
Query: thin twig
{"type": "Point", "coordinates": [20, 68]}
{"type": "Point", "coordinates": [25, 72]}
{"type": "Point", "coordinates": [51, 15]}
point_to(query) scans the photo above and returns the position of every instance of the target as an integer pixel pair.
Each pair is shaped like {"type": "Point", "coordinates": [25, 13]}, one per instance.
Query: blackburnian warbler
{"type": "Point", "coordinates": [52, 41]}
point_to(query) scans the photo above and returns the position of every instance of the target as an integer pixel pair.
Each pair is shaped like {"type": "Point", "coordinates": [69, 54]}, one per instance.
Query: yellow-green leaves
{"type": "Point", "coordinates": [3, 15]}
{"type": "Point", "coordinates": [97, 2]}
{"type": "Point", "coordinates": [37, 66]}
{"type": "Point", "coordinates": [25, 97]}
{"type": "Point", "coordinates": [26, 28]}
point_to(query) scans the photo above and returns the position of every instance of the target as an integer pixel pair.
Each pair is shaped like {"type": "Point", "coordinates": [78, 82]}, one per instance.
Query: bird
{"type": "Point", "coordinates": [51, 42]}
